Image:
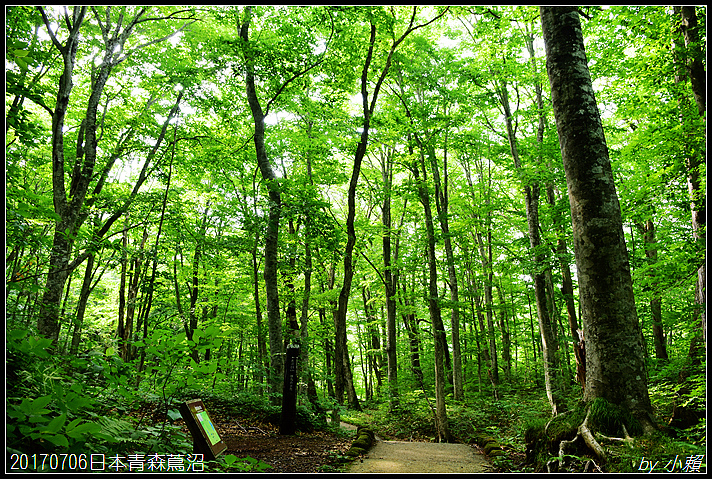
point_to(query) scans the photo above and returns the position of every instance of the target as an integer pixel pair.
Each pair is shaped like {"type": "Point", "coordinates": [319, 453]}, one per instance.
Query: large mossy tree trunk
{"type": "Point", "coordinates": [615, 370]}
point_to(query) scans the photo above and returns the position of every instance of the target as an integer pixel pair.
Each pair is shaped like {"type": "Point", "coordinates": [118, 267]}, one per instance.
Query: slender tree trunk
{"type": "Point", "coordinates": [438, 328]}
{"type": "Point", "coordinates": [261, 344]}
{"type": "Point", "coordinates": [486, 258]}
{"type": "Point", "coordinates": [135, 278]}
{"type": "Point", "coordinates": [506, 337]}
{"type": "Point", "coordinates": [442, 205]}
{"type": "Point", "coordinates": [121, 328]}
{"type": "Point", "coordinates": [340, 317]}
{"type": "Point", "coordinates": [391, 281]}
{"type": "Point", "coordinates": [647, 231]}
{"type": "Point", "coordinates": [154, 264]}
{"type": "Point", "coordinates": [368, 109]}
{"type": "Point", "coordinates": [546, 328]}
{"type": "Point", "coordinates": [290, 313]}
{"type": "Point", "coordinates": [82, 305]}
{"type": "Point", "coordinates": [411, 326]}
{"type": "Point", "coordinates": [274, 324]}
{"type": "Point", "coordinates": [305, 343]}
{"type": "Point", "coordinates": [194, 289]}
{"type": "Point", "coordinates": [615, 369]}
{"type": "Point", "coordinates": [488, 354]}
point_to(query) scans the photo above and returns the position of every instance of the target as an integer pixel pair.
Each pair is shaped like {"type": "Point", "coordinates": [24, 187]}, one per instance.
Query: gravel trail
{"type": "Point", "coordinates": [412, 457]}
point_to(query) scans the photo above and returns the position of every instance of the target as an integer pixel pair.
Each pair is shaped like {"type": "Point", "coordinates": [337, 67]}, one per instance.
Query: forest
{"type": "Point", "coordinates": [471, 221]}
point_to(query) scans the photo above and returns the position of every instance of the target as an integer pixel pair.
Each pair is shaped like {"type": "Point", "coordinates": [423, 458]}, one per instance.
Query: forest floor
{"type": "Point", "coordinates": [316, 451]}
{"type": "Point", "coordinates": [320, 451]}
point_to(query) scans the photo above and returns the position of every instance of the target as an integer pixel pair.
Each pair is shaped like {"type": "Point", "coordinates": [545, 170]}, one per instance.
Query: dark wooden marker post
{"type": "Point", "coordinates": [206, 440]}
{"type": "Point", "coordinates": [287, 423]}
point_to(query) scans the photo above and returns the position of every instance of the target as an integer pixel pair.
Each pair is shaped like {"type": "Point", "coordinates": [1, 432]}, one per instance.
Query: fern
{"type": "Point", "coordinates": [115, 429]}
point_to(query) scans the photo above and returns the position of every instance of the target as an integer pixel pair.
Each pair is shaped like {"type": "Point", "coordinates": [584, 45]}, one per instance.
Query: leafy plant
{"type": "Point", "coordinates": [246, 464]}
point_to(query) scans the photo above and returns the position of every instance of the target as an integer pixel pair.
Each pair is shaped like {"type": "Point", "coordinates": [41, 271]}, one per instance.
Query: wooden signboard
{"type": "Point", "coordinates": [206, 440]}
{"type": "Point", "coordinates": [287, 423]}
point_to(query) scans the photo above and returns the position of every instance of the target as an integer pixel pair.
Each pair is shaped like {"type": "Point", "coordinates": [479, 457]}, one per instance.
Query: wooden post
{"type": "Point", "coordinates": [206, 440]}
{"type": "Point", "coordinates": [287, 423]}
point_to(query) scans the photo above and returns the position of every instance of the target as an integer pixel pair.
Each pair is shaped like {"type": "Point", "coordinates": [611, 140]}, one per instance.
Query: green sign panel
{"type": "Point", "coordinates": [208, 427]}
{"type": "Point", "coordinates": [206, 439]}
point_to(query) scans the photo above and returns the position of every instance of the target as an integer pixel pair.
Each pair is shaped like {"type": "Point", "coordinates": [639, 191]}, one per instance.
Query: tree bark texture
{"type": "Point", "coordinates": [65, 229]}
{"type": "Point", "coordinates": [614, 353]}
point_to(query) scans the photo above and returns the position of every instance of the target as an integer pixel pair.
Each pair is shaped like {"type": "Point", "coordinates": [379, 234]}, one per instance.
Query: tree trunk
{"type": "Point", "coordinates": [438, 328]}
{"type": "Point", "coordinates": [290, 312]}
{"type": "Point", "coordinates": [411, 326]}
{"type": "Point", "coordinates": [442, 205]}
{"type": "Point", "coordinates": [341, 355]}
{"type": "Point", "coordinates": [693, 58]}
{"type": "Point", "coordinates": [121, 328]}
{"type": "Point", "coordinates": [274, 324]}
{"type": "Point", "coordinates": [368, 109]}
{"type": "Point", "coordinates": [506, 337]}
{"type": "Point", "coordinates": [486, 257]}
{"type": "Point", "coordinates": [615, 369]}
{"type": "Point", "coordinates": [65, 229]}
{"type": "Point", "coordinates": [647, 231]}
{"type": "Point", "coordinates": [261, 344]}
{"type": "Point", "coordinates": [391, 282]}
{"type": "Point", "coordinates": [82, 305]}
{"type": "Point", "coordinates": [73, 209]}
{"type": "Point", "coordinates": [489, 354]}
{"type": "Point", "coordinates": [154, 264]}
{"type": "Point", "coordinates": [547, 330]}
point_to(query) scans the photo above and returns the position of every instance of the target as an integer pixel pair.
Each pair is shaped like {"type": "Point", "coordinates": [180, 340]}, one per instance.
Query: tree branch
{"type": "Point", "coordinates": [49, 29]}
{"type": "Point", "coordinates": [305, 71]}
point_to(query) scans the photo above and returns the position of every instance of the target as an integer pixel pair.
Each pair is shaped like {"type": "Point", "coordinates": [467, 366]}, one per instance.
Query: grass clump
{"type": "Point", "coordinates": [609, 419]}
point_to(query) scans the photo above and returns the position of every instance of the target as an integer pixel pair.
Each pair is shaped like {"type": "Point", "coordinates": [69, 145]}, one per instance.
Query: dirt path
{"type": "Point", "coordinates": [399, 456]}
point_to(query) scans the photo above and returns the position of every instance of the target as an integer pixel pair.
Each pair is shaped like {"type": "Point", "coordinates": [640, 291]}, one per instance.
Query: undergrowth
{"type": "Point", "coordinates": [76, 409]}
{"type": "Point", "coordinates": [94, 404]}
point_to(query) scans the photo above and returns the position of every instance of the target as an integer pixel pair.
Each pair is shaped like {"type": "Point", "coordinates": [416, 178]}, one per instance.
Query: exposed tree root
{"type": "Point", "coordinates": [584, 433]}
{"type": "Point", "coordinates": [590, 441]}
{"type": "Point", "coordinates": [585, 430]}
{"type": "Point", "coordinates": [626, 439]}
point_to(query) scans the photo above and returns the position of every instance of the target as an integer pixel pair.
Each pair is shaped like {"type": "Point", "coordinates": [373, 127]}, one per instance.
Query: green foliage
{"type": "Point", "coordinates": [247, 464]}
{"type": "Point", "coordinates": [610, 418]}
{"type": "Point", "coordinates": [208, 286]}
{"type": "Point", "coordinates": [56, 406]}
